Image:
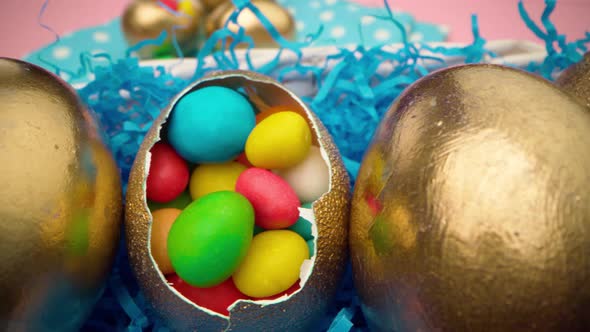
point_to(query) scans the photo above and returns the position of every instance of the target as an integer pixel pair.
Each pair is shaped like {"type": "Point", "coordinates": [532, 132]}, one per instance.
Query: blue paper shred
{"type": "Point", "coordinates": [560, 53]}
{"type": "Point", "coordinates": [351, 99]}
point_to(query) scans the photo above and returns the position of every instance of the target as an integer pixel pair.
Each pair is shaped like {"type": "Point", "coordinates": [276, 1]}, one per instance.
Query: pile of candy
{"type": "Point", "coordinates": [225, 188]}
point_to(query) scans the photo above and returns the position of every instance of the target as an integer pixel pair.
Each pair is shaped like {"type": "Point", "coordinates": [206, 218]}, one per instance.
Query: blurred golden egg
{"type": "Point", "coordinates": [576, 80]}
{"type": "Point", "coordinates": [319, 277]}
{"type": "Point", "coordinates": [471, 208]}
{"type": "Point", "coordinates": [147, 19]}
{"type": "Point", "coordinates": [212, 4]}
{"type": "Point", "coordinates": [60, 203]}
{"type": "Point", "coordinates": [278, 16]}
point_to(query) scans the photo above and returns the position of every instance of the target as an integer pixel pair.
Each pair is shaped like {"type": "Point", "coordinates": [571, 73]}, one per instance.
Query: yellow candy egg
{"type": "Point", "coordinates": [280, 141]}
{"type": "Point", "coordinates": [208, 178]}
{"type": "Point", "coordinates": [273, 263]}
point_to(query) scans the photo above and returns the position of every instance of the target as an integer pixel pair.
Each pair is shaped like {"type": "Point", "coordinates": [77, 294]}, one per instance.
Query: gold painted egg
{"type": "Point", "coordinates": [60, 203]}
{"type": "Point", "coordinates": [576, 80]}
{"type": "Point", "coordinates": [299, 307]}
{"type": "Point", "coordinates": [278, 16]}
{"type": "Point", "coordinates": [212, 4]}
{"type": "Point", "coordinates": [147, 19]}
{"type": "Point", "coordinates": [471, 208]}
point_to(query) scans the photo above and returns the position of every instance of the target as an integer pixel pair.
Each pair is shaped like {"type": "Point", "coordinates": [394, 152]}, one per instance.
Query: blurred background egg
{"type": "Point", "coordinates": [211, 4]}
{"type": "Point", "coordinates": [471, 209]}
{"type": "Point", "coordinates": [576, 80]}
{"type": "Point", "coordinates": [295, 308]}
{"type": "Point", "coordinates": [146, 19]}
{"type": "Point", "coordinates": [60, 203]}
{"type": "Point", "coordinates": [278, 16]}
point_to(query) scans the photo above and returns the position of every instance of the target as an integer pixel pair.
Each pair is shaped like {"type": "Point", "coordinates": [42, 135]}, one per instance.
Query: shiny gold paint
{"type": "Point", "coordinates": [576, 80]}
{"type": "Point", "coordinates": [484, 207]}
{"type": "Point", "coordinates": [280, 18]}
{"type": "Point", "coordinates": [60, 208]}
{"type": "Point", "coordinates": [301, 310]}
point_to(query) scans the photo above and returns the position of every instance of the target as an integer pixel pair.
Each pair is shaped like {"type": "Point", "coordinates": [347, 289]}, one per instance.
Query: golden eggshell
{"type": "Point", "coordinates": [576, 80]}
{"type": "Point", "coordinates": [60, 203]}
{"type": "Point", "coordinates": [482, 221]}
{"type": "Point", "coordinates": [303, 308]}
{"type": "Point", "coordinates": [145, 20]}
{"type": "Point", "coordinates": [280, 18]}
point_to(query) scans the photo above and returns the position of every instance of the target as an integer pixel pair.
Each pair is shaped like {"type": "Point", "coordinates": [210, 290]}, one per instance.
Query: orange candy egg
{"type": "Point", "coordinates": [163, 220]}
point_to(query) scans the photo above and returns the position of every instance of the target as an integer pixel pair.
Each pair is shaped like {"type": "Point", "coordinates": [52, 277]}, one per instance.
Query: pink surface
{"type": "Point", "coordinates": [498, 19]}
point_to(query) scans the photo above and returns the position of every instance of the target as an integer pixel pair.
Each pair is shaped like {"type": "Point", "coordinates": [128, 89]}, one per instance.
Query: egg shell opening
{"type": "Point", "coordinates": [328, 217]}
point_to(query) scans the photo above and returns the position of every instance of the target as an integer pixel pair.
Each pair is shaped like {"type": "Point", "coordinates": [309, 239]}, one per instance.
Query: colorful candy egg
{"type": "Point", "coordinates": [210, 238]}
{"type": "Point", "coordinates": [470, 210]}
{"type": "Point", "coordinates": [275, 202]}
{"type": "Point", "coordinates": [272, 264]}
{"type": "Point", "coordinates": [297, 308]}
{"type": "Point", "coordinates": [281, 140]}
{"type": "Point", "coordinates": [196, 135]}
{"type": "Point", "coordinates": [163, 220]}
{"type": "Point", "coordinates": [60, 203]}
{"type": "Point", "coordinates": [209, 178]}
{"type": "Point", "coordinates": [300, 177]}
{"type": "Point", "coordinates": [168, 176]}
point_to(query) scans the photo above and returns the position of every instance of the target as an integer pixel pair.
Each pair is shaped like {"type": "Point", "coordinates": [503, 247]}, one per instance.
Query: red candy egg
{"type": "Point", "coordinates": [168, 175]}
{"type": "Point", "coordinates": [275, 202]}
{"type": "Point", "coordinates": [217, 298]}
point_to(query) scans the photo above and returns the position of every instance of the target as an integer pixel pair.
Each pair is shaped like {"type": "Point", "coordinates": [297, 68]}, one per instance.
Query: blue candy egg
{"type": "Point", "coordinates": [211, 125]}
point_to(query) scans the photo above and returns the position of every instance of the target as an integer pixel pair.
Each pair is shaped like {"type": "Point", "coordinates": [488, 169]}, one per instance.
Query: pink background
{"type": "Point", "coordinates": [498, 19]}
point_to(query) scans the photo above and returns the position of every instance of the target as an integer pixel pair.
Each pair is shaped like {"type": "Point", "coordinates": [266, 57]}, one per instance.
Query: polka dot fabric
{"type": "Point", "coordinates": [65, 54]}
{"type": "Point", "coordinates": [348, 23]}
{"type": "Point", "coordinates": [344, 23]}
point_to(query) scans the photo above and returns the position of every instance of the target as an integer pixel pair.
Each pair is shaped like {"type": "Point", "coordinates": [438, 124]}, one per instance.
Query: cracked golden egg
{"type": "Point", "coordinates": [471, 211]}
{"type": "Point", "coordinates": [60, 203]}
{"type": "Point", "coordinates": [295, 309]}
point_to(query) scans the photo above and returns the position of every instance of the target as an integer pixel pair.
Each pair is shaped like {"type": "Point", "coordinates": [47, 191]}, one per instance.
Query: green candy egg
{"type": "Point", "coordinates": [211, 237]}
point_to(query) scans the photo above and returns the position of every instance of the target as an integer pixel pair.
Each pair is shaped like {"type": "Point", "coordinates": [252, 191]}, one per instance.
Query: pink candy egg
{"type": "Point", "coordinates": [275, 202]}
